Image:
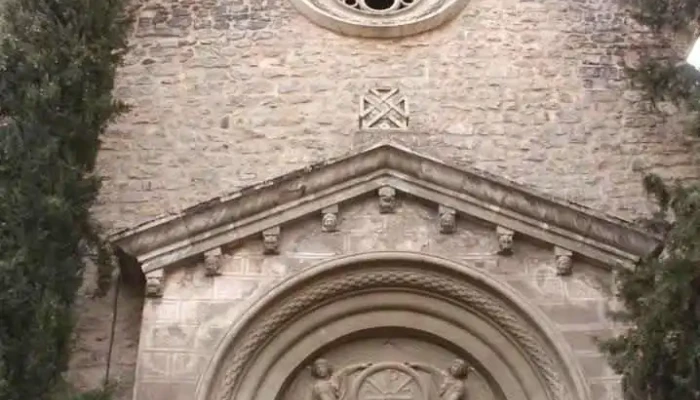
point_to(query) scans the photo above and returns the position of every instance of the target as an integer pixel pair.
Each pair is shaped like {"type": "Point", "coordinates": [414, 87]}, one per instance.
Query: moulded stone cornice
{"type": "Point", "coordinates": [226, 219]}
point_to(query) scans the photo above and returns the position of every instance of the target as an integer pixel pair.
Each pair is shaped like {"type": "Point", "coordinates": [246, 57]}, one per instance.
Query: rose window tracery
{"type": "Point", "coordinates": [379, 6]}
{"type": "Point", "coordinates": [379, 18]}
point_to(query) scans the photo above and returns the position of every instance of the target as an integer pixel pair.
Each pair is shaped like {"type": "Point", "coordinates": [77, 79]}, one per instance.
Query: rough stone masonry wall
{"type": "Point", "coordinates": [229, 92]}
{"type": "Point", "coordinates": [181, 331]}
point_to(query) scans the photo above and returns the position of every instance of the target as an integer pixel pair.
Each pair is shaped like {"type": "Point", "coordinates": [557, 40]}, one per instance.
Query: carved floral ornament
{"type": "Point", "coordinates": [379, 18]}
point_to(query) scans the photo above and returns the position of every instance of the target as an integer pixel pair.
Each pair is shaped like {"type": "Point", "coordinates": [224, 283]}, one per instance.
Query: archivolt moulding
{"type": "Point", "coordinates": [387, 19]}
{"type": "Point", "coordinates": [474, 292]}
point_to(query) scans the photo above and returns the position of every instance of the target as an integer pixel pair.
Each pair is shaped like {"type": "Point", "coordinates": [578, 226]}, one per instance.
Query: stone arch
{"type": "Point", "coordinates": [510, 340]}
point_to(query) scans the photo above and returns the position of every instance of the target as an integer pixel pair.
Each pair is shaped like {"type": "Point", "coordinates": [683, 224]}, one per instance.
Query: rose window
{"type": "Point", "coordinates": [379, 18]}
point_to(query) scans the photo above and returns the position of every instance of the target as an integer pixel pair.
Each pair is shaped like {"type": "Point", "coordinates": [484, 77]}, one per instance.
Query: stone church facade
{"type": "Point", "coordinates": [367, 199]}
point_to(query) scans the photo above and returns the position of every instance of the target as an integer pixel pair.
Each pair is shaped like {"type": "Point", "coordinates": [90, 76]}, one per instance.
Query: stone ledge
{"type": "Point", "coordinates": [225, 219]}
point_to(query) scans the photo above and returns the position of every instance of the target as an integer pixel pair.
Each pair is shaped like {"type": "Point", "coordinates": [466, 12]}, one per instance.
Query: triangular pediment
{"type": "Point", "coordinates": [244, 214]}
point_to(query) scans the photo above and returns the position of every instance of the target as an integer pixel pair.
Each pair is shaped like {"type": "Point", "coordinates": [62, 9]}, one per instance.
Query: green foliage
{"type": "Point", "coordinates": [659, 354]}
{"type": "Point", "coordinates": [668, 77]}
{"type": "Point", "coordinates": [57, 66]}
{"type": "Point", "coordinates": [660, 14]}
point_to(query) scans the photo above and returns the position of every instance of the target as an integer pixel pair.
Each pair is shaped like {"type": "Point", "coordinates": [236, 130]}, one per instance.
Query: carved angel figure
{"type": "Point", "coordinates": [327, 384]}
{"type": "Point", "coordinates": [453, 385]}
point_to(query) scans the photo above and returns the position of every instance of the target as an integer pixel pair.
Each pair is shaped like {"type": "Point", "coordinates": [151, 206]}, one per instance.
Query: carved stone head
{"type": "Point", "coordinates": [321, 369]}
{"type": "Point", "coordinates": [459, 369]}
{"type": "Point", "coordinates": [387, 200]}
{"type": "Point", "coordinates": [505, 241]}
{"type": "Point", "coordinates": [329, 221]}
{"type": "Point", "coordinates": [271, 239]}
{"type": "Point", "coordinates": [448, 219]}
{"type": "Point", "coordinates": [563, 261]}
{"type": "Point", "coordinates": [154, 284]}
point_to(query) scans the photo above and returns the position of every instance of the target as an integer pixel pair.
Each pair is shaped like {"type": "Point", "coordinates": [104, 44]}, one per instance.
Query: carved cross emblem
{"type": "Point", "coordinates": [383, 108]}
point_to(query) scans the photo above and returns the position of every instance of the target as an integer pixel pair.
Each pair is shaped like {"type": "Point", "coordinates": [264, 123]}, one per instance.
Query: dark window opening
{"type": "Point", "coordinates": [379, 4]}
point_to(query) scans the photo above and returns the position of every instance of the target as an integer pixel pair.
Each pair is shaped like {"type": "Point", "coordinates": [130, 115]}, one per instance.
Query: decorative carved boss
{"type": "Point", "coordinates": [388, 381]}
{"type": "Point", "coordinates": [383, 108]}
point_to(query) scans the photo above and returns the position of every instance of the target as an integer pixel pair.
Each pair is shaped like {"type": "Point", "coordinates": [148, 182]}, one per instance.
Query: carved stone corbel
{"type": "Point", "coordinates": [329, 220]}
{"type": "Point", "coordinates": [448, 219]}
{"type": "Point", "coordinates": [271, 240]}
{"type": "Point", "coordinates": [155, 281]}
{"type": "Point", "coordinates": [505, 240]}
{"type": "Point", "coordinates": [387, 200]}
{"type": "Point", "coordinates": [564, 262]}
{"type": "Point", "coordinates": [212, 262]}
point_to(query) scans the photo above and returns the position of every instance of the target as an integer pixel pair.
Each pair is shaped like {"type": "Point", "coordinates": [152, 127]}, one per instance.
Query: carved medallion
{"type": "Point", "coordinates": [388, 381]}
{"type": "Point", "coordinates": [384, 108]}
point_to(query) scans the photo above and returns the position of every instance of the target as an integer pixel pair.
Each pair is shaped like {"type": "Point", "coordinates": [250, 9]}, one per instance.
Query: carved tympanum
{"type": "Point", "coordinates": [388, 381]}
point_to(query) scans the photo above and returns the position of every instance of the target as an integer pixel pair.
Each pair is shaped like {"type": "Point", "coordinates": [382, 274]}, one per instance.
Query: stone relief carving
{"type": "Point", "coordinates": [452, 380]}
{"type": "Point", "coordinates": [383, 108]}
{"type": "Point", "coordinates": [363, 280]}
{"type": "Point", "coordinates": [271, 240]}
{"type": "Point", "coordinates": [212, 262]}
{"type": "Point", "coordinates": [330, 385]}
{"type": "Point", "coordinates": [505, 241]}
{"type": "Point", "coordinates": [329, 220]}
{"type": "Point", "coordinates": [563, 259]}
{"type": "Point", "coordinates": [388, 381]}
{"type": "Point", "coordinates": [155, 281]}
{"type": "Point", "coordinates": [448, 219]}
{"type": "Point", "coordinates": [387, 200]}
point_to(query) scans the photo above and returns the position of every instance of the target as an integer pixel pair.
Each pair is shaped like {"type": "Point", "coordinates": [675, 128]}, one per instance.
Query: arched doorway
{"type": "Point", "coordinates": [392, 326]}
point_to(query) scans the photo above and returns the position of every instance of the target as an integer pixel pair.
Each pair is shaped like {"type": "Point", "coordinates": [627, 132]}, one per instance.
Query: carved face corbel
{"type": "Point", "coordinates": [448, 219]}
{"type": "Point", "coordinates": [271, 240]}
{"type": "Point", "coordinates": [154, 283]}
{"type": "Point", "coordinates": [387, 200]}
{"type": "Point", "coordinates": [212, 262]}
{"type": "Point", "coordinates": [505, 240]}
{"type": "Point", "coordinates": [564, 261]}
{"type": "Point", "coordinates": [329, 221]}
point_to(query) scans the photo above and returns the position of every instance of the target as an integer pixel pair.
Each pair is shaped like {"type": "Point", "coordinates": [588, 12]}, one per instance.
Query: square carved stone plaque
{"type": "Point", "coordinates": [383, 108]}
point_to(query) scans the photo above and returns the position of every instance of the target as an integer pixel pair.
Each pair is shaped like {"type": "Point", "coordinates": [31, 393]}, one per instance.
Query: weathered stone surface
{"type": "Point", "coordinates": [228, 93]}
{"type": "Point", "coordinates": [575, 304]}
{"type": "Point", "coordinates": [512, 74]}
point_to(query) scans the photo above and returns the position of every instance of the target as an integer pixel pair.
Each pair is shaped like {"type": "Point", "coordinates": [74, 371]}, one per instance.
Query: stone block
{"type": "Point", "coordinates": [164, 391]}
{"type": "Point", "coordinates": [161, 311]}
{"type": "Point", "coordinates": [172, 336]}
{"type": "Point", "coordinates": [204, 312]}
{"type": "Point", "coordinates": [585, 341]}
{"type": "Point", "coordinates": [235, 288]}
{"type": "Point", "coordinates": [594, 366]}
{"type": "Point", "coordinates": [579, 314]}
{"type": "Point", "coordinates": [208, 337]}
{"type": "Point", "coordinates": [154, 364]}
{"type": "Point", "coordinates": [187, 366]}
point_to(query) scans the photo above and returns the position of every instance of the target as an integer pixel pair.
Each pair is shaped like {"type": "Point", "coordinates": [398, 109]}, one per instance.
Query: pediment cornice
{"type": "Point", "coordinates": [227, 219]}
